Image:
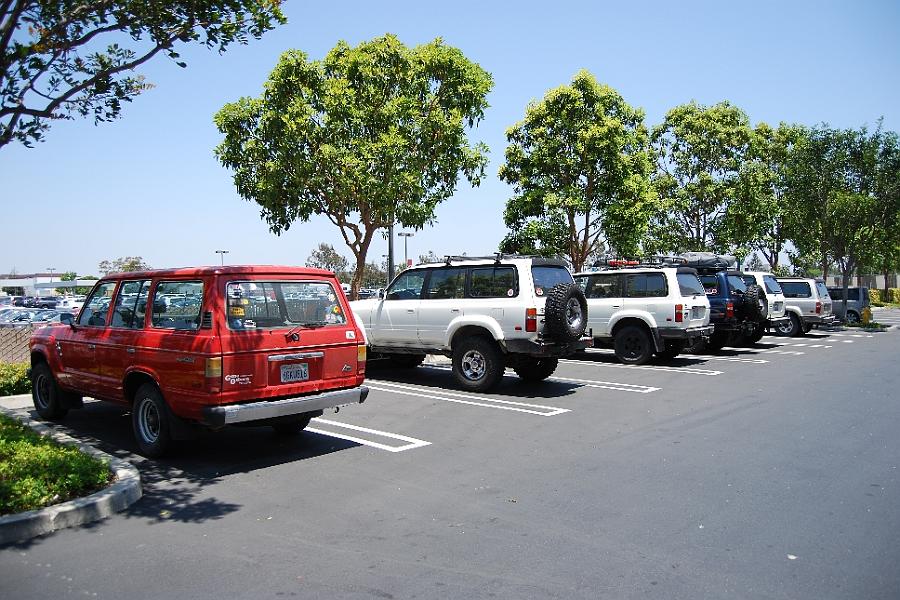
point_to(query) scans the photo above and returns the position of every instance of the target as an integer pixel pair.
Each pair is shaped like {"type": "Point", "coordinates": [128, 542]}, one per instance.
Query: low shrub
{"type": "Point", "coordinates": [36, 471]}
{"type": "Point", "coordinates": [893, 296]}
{"type": "Point", "coordinates": [13, 379]}
{"type": "Point", "coordinates": [874, 295]}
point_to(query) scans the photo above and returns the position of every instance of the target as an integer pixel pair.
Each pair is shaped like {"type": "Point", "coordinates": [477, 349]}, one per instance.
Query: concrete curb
{"type": "Point", "coordinates": [122, 493]}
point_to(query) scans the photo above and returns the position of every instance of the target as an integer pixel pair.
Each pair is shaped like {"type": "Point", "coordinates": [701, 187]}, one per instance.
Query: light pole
{"type": "Point", "coordinates": [51, 269]}
{"type": "Point", "coordinates": [222, 254]}
{"type": "Point", "coordinates": [405, 235]}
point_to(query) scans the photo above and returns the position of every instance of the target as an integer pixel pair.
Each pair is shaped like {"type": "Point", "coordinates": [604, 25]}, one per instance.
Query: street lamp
{"type": "Point", "coordinates": [51, 269]}
{"type": "Point", "coordinates": [405, 235]}
{"type": "Point", "coordinates": [222, 254]}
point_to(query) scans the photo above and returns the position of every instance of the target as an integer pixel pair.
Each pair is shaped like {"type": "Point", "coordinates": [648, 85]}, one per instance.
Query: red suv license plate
{"type": "Point", "coordinates": [297, 372]}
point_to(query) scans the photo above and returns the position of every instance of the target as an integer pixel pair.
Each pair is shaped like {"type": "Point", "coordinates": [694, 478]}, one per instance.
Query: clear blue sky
{"type": "Point", "coordinates": [149, 185]}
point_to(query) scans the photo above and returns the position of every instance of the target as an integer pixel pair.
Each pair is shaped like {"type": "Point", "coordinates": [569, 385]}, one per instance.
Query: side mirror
{"type": "Point", "coordinates": [380, 293]}
{"type": "Point", "coordinates": [68, 319]}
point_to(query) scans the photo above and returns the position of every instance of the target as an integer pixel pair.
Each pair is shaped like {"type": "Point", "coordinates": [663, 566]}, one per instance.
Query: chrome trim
{"type": "Point", "coordinates": [297, 356]}
{"type": "Point", "coordinates": [218, 416]}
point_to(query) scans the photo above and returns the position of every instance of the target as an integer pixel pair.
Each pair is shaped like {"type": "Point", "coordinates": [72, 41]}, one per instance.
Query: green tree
{"type": "Point", "coordinates": [73, 276]}
{"type": "Point", "coordinates": [580, 166]}
{"type": "Point", "coordinates": [326, 257]}
{"type": "Point", "coordinates": [59, 60]}
{"type": "Point", "coordinates": [430, 257]}
{"type": "Point", "coordinates": [373, 276]}
{"type": "Point", "coordinates": [700, 151]}
{"type": "Point", "coordinates": [370, 136]}
{"type": "Point", "coordinates": [754, 263]}
{"type": "Point", "coordinates": [123, 264]}
{"type": "Point", "coordinates": [762, 217]}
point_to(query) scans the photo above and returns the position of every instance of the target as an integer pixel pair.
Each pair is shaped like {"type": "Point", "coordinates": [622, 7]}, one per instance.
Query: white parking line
{"type": "Point", "coordinates": [609, 385]}
{"type": "Point", "coordinates": [765, 351]}
{"type": "Point", "coordinates": [408, 390]}
{"type": "Point", "coordinates": [847, 341]}
{"type": "Point", "coordinates": [755, 361]}
{"type": "Point", "coordinates": [685, 370]}
{"type": "Point", "coordinates": [411, 444]}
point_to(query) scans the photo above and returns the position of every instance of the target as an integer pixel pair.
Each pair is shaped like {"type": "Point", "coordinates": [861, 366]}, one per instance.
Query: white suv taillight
{"type": "Point", "coordinates": [679, 315]}
{"type": "Point", "coordinates": [818, 307]}
{"type": "Point", "coordinates": [530, 319]}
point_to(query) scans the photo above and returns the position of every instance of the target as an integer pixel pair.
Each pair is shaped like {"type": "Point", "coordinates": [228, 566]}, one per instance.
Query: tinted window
{"type": "Point", "coordinates": [407, 286]}
{"type": "Point", "coordinates": [710, 284]}
{"type": "Point", "coordinates": [176, 304]}
{"type": "Point", "coordinates": [772, 286]}
{"type": "Point", "coordinates": [131, 305]}
{"type": "Point", "coordinates": [645, 285]}
{"type": "Point", "coordinates": [546, 277]}
{"type": "Point", "coordinates": [838, 293]}
{"type": "Point", "coordinates": [796, 289]}
{"type": "Point", "coordinates": [446, 283]}
{"type": "Point", "coordinates": [690, 285]}
{"type": "Point", "coordinates": [601, 286]}
{"type": "Point", "coordinates": [94, 311]}
{"type": "Point", "coordinates": [737, 284]}
{"type": "Point", "coordinates": [273, 304]}
{"type": "Point", "coordinates": [494, 282]}
{"type": "Point", "coordinates": [823, 291]}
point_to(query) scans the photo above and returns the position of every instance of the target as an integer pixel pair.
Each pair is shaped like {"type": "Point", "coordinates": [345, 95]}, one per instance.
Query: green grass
{"type": "Point", "coordinates": [13, 379]}
{"type": "Point", "coordinates": [36, 471]}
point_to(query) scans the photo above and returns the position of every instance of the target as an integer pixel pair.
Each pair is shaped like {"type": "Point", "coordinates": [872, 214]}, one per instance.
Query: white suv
{"type": "Point", "coordinates": [645, 310]}
{"type": "Point", "coordinates": [485, 313]}
{"type": "Point", "coordinates": [807, 303]}
{"type": "Point", "coordinates": [777, 315]}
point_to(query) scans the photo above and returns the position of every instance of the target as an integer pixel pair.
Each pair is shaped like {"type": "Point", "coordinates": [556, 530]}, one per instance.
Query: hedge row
{"type": "Point", "coordinates": [13, 379]}
{"type": "Point", "coordinates": [878, 295]}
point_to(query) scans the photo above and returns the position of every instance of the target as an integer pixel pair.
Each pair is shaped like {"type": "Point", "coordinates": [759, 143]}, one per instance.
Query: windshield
{"type": "Point", "coordinates": [690, 285]}
{"type": "Point", "coordinates": [273, 304]}
{"type": "Point", "coordinates": [546, 277]}
{"type": "Point", "coordinates": [772, 286]}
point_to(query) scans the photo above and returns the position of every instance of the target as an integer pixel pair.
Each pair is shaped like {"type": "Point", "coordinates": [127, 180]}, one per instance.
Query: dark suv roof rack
{"type": "Point", "coordinates": [658, 261]}
{"type": "Point", "coordinates": [498, 257]}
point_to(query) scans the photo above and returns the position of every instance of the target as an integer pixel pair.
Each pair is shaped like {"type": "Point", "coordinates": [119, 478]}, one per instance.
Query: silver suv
{"type": "Point", "coordinates": [777, 312]}
{"type": "Point", "coordinates": [857, 300]}
{"type": "Point", "coordinates": [643, 311]}
{"type": "Point", "coordinates": [485, 313]}
{"type": "Point", "coordinates": [807, 304]}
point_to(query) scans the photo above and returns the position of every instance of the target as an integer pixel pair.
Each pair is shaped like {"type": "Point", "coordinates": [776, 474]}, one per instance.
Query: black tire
{"type": "Point", "coordinates": [565, 313]}
{"type": "Point", "coordinates": [290, 426]}
{"type": "Point", "coordinates": [45, 393]}
{"type": "Point", "coordinates": [633, 345]}
{"type": "Point", "coordinates": [150, 421]}
{"type": "Point", "coordinates": [790, 328]}
{"type": "Point", "coordinates": [717, 341]}
{"type": "Point", "coordinates": [536, 369]}
{"type": "Point", "coordinates": [852, 316]}
{"type": "Point", "coordinates": [673, 349]}
{"type": "Point", "coordinates": [807, 328]}
{"type": "Point", "coordinates": [477, 364]}
{"type": "Point", "coordinates": [406, 361]}
{"type": "Point", "coordinates": [756, 304]}
{"type": "Point", "coordinates": [757, 334]}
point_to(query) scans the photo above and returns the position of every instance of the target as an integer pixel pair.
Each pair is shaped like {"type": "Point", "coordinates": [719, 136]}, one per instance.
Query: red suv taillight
{"type": "Point", "coordinates": [818, 307]}
{"type": "Point", "coordinates": [213, 373]}
{"type": "Point", "coordinates": [530, 319]}
{"type": "Point", "coordinates": [361, 358]}
{"type": "Point", "coordinates": [679, 316]}
{"type": "Point", "coordinates": [729, 310]}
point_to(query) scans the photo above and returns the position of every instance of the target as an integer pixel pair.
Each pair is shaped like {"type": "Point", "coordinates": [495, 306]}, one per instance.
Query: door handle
{"type": "Point", "coordinates": [92, 346]}
{"type": "Point", "coordinates": [410, 310]}
{"type": "Point", "coordinates": [454, 310]}
{"type": "Point", "coordinates": [130, 350]}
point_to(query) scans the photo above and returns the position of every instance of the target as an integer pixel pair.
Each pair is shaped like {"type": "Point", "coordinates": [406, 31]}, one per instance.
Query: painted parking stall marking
{"type": "Point", "coordinates": [411, 443]}
{"type": "Point", "coordinates": [738, 359]}
{"type": "Point", "coordinates": [684, 370]}
{"type": "Point", "coordinates": [457, 398]}
{"type": "Point", "coordinates": [608, 385]}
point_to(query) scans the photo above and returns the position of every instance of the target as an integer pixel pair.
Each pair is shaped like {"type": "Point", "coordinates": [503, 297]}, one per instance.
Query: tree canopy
{"type": "Point", "coordinates": [123, 264]}
{"type": "Point", "coordinates": [326, 257]}
{"type": "Point", "coordinates": [579, 164]}
{"type": "Point", "coordinates": [59, 60]}
{"type": "Point", "coordinates": [370, 136]}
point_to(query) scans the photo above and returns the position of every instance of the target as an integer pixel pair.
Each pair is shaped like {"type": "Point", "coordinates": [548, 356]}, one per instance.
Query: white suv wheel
{"type": "Point", "coordinates": [473, 365]}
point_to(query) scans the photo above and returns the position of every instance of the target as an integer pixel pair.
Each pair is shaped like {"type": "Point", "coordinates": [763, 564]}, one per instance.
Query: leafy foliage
{"type": "Point", "coordinates": [14, 379]}
{"type": "Point", "coordinates": [59, 60]}
{"type": "Point", "coordinates": [326, 257]}
{"type": "Point", "coordinates": [35, 471]}
{"type": "Point", "coordinates": [73, 276]}
{"type": "Point", "coordinates": [579, 164]}
{"type": "Point", "coordinates": [371, 135]}
{"type": "Point", "coordinates": [123, 264]}
{"type": "Point", "coordinates": [700, 152]}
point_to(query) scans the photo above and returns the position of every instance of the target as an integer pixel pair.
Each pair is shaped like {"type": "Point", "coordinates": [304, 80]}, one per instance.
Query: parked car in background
{"type": "Point", "coordinates": [6, 301]}
{"type": "Point", "coordinates": [857, 300]}
{"type": "Point", "coordinates": [46, 301]}
{"type": "Point", "coordinates": [485, 313]}
{"type": "Point", "coordinates": [807, 304]}
{"type": "Point", "coordinates": [644, 310]}
{"type": "Point", "coordinates": [777, 313]}
{"type": "Point", "coordinates": [222, 361]}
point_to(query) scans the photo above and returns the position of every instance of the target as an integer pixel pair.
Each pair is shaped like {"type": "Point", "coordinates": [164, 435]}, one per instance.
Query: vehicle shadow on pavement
{"type": "Point", "coordinates": [175, 487]}
{"type": "Point", "coordinates": [440, 378]}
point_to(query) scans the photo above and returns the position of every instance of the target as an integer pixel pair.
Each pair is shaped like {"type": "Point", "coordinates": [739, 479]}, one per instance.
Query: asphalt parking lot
{"type": "Point", "coordinates": [769, 472]}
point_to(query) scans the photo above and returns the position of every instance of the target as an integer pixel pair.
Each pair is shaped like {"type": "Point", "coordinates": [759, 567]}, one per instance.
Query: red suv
{"type": "Point", "coordinates": [205, 346]}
